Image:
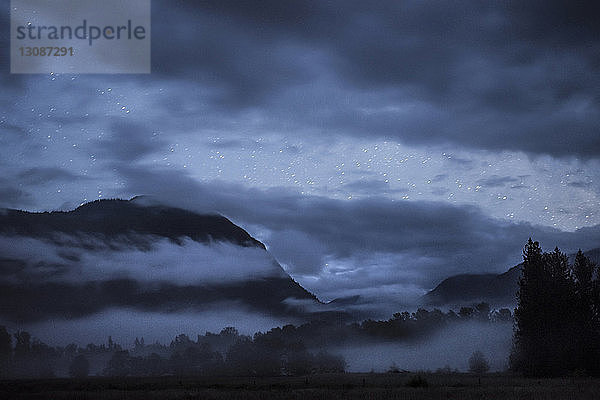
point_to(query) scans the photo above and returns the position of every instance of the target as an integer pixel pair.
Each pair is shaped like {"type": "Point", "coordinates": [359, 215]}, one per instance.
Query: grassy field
{"type": "Point", "coordinates": [334, 386]}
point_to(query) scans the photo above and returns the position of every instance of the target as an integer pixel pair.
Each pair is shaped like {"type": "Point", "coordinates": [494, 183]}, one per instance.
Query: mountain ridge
{"type": "Point", "coordinates": [116, 216]}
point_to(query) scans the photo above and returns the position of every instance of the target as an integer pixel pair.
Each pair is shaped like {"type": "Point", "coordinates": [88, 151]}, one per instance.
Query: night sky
{"type": "Point", "coordinates": [374, 147]}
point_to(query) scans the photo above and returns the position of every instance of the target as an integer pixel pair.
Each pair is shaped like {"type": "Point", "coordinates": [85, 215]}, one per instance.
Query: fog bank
{"type": "Point", "coordinates": [124, 325]}
{"type": "Point", "coordinates": [451, 347]}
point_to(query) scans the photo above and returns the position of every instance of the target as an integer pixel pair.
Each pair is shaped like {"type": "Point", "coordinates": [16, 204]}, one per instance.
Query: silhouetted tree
{"type": "Point", "coordinates": [587, 325]}
{"type": "Point", "coordinates": [229, 331]}
{"type": "Point", "coordinates": [530, 349]}
{"type": "Point", "coordinates": [70, 350]}
{"type": "Point", "coordinates": [478, 364]}
{"type": "Point", "coordinates": [483, 311]}
{"type": "Point", "coordinates": [502, 315]}
{"type": "Point", "coordinates": [155, 365]}
{"type": "Point", "coordinates": [297, 360]}
{"type": "Point", "coordinates": [79, 367]}
{"type": "Point", "coordinates": [554, 321]}
{"type": "Point", "coordinates": [119, 364]}
{"type": "Point", "coordinates": [5, 351]}
{"type": "Point", "coordinates": [466, 312]}
{"type": "Point", "coordinates": [328, 363]}
{"type": "Point", "coordinates": [22, 344]}
{"type": "Point", "coordinates": [42, 359]}
{"type": "Point", "coordinates": [252, 359]}
{"type": "Point", "coordinates": [5, 343]}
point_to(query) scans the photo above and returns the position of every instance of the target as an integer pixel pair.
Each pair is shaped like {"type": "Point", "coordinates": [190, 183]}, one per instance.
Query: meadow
{"type": "Point", "coordinates": [325, 386]}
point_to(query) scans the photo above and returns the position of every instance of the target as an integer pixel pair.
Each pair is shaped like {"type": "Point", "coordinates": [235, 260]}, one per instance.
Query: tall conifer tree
{"type": "Point", "coordinates": [556, 321]}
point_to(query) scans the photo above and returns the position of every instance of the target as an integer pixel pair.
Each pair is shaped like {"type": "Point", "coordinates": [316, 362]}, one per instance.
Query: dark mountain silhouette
{"type": "Point", "coordinates": [470, 288]}
{"type": "Point", "coordinates": [32, 290]}
{"type": "Point", "coordinates": [496, 289]}
{"type": "Point", "coordinates": [122, 217]}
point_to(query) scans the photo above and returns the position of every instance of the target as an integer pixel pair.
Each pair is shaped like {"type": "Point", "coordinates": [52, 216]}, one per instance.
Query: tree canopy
{"type": "Point", "coordinates": [556, 320]}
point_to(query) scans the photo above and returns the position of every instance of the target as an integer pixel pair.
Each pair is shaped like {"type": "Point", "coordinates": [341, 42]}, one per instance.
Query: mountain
{"type": "Point", "coordinates": [123, 217]}
{"type": "Point", "coordinates": [472, 288]}
{"type": "Point", "coordinates": [496, 289]}
{"type": "Point", "coordinates": [120, 254]}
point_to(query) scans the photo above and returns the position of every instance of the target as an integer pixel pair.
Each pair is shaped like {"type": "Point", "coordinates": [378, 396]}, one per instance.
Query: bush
{"type": "Point", "coordinates": [80, 367]}
{"type": "Point", "coordinates": [478, 363]}
{"type": "Point", "coordinates": [417, 381]}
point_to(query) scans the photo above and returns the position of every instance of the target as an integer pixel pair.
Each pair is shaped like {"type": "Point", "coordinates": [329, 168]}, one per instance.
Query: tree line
{"type": "Point", "coordinates": [261, 355]}
{"type": "Point", "coordinates": [288, 350]}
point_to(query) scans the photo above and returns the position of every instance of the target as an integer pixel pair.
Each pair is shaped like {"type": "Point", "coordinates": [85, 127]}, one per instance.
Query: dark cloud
{"type": "Point", "coordinates": [497, 181]}
{"type": "Point", "coordinates": [496, 76]}
{"type": "Point", "coordinates": [580, 184]}
{"type": "Point", "coordinates": [368, 187]}
{"type": "Point", "coordinates": [13, 196]}
{"type": "Point", "coordinates": [129, 142]}
{"type": "Point", "coordinates": [480, 75]}
{"type": "Point", "coordinates": [439, 191]}
{"type": "Point", "coordinates": [242, 61]}
{"type": "Point", "coordinates": [519, 186]}
{"type": "Point", "coordinates": [439, 178]}
{"type": "Point", "coordinates": [40, 175]}
{"type": "Point", "coordinates": [10, 129]}
{"type": "Point", "coordinates": [458, 161]}
{"type": "Point", "coordinates": [229, 143]}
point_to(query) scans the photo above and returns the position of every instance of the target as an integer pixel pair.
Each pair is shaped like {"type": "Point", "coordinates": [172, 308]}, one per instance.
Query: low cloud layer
{"type": "Point", "coordinates": [79, 275]}
{"type": "Point", "coordinates": [162, 262]}
{"type": "Point", "coordinates": [126, 324]}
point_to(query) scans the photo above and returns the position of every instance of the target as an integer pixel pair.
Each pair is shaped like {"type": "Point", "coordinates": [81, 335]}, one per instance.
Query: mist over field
{"type": "Point", "coordinates": [125, 325]}
{"type": "Point", "coordinates": [449, 347]}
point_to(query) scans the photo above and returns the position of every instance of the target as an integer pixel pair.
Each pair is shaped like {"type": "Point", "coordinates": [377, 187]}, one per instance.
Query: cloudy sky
{"type": "Point", "coordinates": [374, 147]}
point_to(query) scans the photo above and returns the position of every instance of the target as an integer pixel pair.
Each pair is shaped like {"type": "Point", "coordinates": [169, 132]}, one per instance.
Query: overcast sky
{"type": "Point", "coordinates": [375, 147]}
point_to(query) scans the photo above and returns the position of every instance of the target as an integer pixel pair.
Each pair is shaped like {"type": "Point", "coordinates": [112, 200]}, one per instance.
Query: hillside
{"type": "Point", "coordinates": [118, 254]}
